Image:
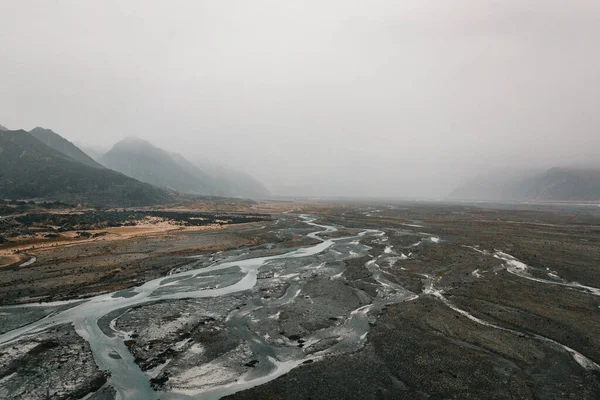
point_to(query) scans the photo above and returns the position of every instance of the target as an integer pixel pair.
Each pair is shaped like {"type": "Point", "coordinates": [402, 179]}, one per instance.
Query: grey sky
{"type": "Point", "coordinates": [403, 98]}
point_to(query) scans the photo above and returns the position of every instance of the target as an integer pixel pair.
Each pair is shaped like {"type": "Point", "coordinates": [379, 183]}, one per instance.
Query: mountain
{"type": "Point", "coordinates": [31, 169]}
{"type": "Point", "coordinates": [2, 128]}
{"type": "Point", "coordinates": [234, 183]}
{"type": "Point", "coordinates": [555, 184]}
{"type": "Point", "coordinates": [141, 160]}
{"type": "Point", "coordinates": [57, 142]}
{"type": "Point", "coordinates": [224, 181]}
{"type": "Point", "coordinates": [95, 152]}
{"type": "Point", "coordinates": [494, 186]}
{"type": "Point", "coordinates": [565, 184]}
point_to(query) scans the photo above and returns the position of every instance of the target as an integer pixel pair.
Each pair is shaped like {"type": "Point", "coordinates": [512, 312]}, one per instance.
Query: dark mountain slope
{"type": "Point", "coordinates": [2, 128]}
{"type": "Point", "coordinates": [31, 169]}
{"type": "Point", "coordinates": [57, 142]}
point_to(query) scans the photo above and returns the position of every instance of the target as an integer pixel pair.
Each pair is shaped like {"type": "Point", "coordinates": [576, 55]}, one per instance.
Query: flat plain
{"type": "Point", "coordinates": [310, 300]}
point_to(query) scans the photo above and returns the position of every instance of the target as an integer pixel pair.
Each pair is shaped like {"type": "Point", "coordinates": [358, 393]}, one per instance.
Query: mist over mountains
{"type": "Point", "coordinates": [141, 160]}
{"type": "Point", "coordinates": [392, 99]}
{"type": "Point", "coordinates": [554, 184]}
{"type": "Point", "coordinates": [30, 169]}
{"type": "Point", "coordinates": [41, 164]}
{"type": "Point", "coordinates": [57, 142]}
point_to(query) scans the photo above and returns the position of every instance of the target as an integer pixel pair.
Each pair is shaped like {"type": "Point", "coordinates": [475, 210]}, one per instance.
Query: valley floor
{"type": "Point", "coordinates": [363, 301]}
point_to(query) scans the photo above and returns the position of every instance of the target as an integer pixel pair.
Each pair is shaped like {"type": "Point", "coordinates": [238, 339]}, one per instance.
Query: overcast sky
{"type": "Point", "coordinates": [340, 97]}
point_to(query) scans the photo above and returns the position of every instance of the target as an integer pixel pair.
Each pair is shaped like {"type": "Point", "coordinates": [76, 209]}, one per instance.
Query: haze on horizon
{"type": "Point", "coordinates": [378, 98]}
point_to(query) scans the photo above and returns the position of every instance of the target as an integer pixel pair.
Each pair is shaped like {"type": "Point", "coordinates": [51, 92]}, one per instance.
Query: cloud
{"type": "Point", "coordinates": [335, 97]}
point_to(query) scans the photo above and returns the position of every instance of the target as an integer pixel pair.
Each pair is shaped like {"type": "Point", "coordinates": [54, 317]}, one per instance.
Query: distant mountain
{"type": "Point", "coordinates": [234, 183]}
{"type": "Point", "coordinates": [31, 169]}
{"type": "Point", "coordinates": [224, 181]}
{"type": "Point", "coordinates": [494, 186]}
{"type": "Point", "coordinates": [555, 184]}
{"type": "Point", "coordinates": [2, 128]}
{"type": "Point", "coordinates": [94, 152]}
{"type": "Point", "coordinates": [57, 142]}
{"type": "Point", "coordinates": [565, 184]}
{"type": "Point", "coordinates": [141, 160]}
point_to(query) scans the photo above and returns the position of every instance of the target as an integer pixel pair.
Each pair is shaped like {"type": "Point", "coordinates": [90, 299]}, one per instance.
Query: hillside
{"type": "Point", "coordinates": [141, 160]}
{"type": "Point", "coordinates": [2, 128]}
{"type": "Point", "coordinates": [555, 184]}
{"type": "Point", "coordinates": [31, 169]}
{"type": "Point", "coordinates": [57, 142]}
{"type": "Point", "coordinates": [94, 152]}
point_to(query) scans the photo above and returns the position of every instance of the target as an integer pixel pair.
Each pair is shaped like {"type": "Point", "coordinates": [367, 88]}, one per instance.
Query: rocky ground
{"type": "Point", "coordinates": [437, 301]}
{"type": "Point", "coordinates": [489, 333]}
{"type": "Point", "coordinates": [56, 364]}
{"type": "Point", "coordinates": [92, 261]}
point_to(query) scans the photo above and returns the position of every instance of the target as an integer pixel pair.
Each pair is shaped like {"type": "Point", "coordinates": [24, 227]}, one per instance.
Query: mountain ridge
{"type": "Point", "coordinates": [59, 143]}
{"type": "Point", "coordinates": [31, 169]}
{"type": "Point", "coordinates": [553, 184]}
{"type": "Point", "coordinates": [142, 160]}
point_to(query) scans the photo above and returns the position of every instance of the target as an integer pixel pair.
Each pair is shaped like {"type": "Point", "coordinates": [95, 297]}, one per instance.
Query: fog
{"type": "Point", "coordinates": [341, 97]}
